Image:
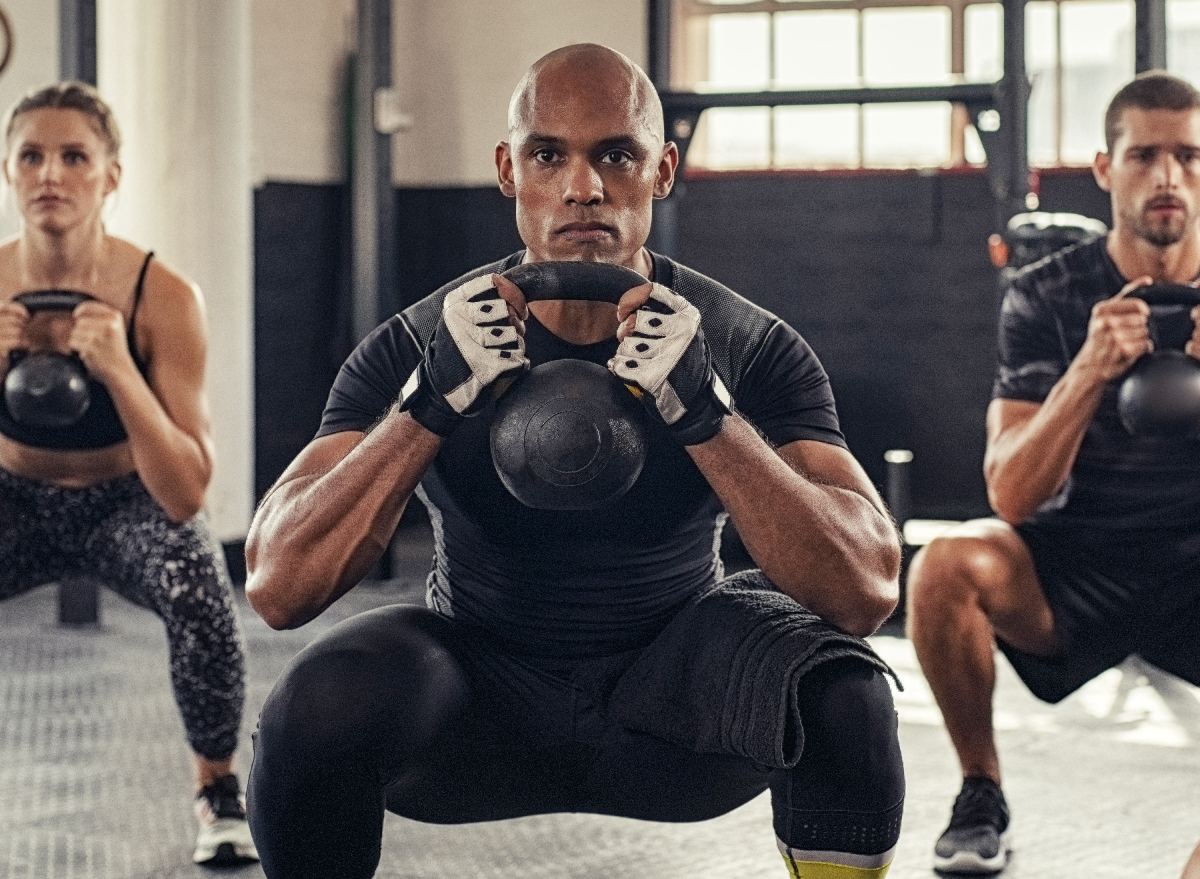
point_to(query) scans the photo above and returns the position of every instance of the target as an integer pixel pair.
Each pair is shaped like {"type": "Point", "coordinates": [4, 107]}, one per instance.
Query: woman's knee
{"type": "Point", "coordinates": [385, 675]}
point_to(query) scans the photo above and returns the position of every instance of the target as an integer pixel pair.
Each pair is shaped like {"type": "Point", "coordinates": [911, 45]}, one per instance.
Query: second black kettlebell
{"type": "Point", "coordinates": [46, 388]}
{"type": "Point", "coordinates": [1160, 395]}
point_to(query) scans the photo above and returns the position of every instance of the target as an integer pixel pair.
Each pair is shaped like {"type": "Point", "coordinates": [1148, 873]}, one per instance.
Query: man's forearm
{"type": "Point", "coordinates": [327, 521]}
{"type": "Point", "coordinates": [827, 544]}
{"type": "Point", "coordinates": [1032, 447]}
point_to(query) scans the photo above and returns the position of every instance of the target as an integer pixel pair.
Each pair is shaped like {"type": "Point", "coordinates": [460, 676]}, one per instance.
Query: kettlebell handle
{"type": "Point", "coordinates": [47, 300]}
{"type": "Point", "coordinates": [591, 281]}
{"type": "Point", "coordinates": [1168, 294]}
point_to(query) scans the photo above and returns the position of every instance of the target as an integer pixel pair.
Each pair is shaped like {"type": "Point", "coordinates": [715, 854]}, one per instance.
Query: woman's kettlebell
{"type": "Point", "coordinates": [46, 388]}
{"type": "Point", "coordinates": [1160, 395]}
{"type": "Point", "coordinates": [568, 435]}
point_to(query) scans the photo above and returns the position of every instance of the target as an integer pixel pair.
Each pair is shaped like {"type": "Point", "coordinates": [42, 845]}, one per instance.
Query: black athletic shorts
{"type": "Point", "coordinates": [1113, 594]}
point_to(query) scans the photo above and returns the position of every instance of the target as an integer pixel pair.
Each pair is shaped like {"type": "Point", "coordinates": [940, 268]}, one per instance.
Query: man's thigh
{"type": "Point", "coordinates": [1111, 596]}
{"type": "Point", "coordinates": [536, 739]}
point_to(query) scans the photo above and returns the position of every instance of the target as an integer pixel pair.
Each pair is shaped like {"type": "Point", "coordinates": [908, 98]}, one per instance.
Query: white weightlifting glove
{"type": "Point", "coordinates": [667, 358]}
{"type": "Point", "coordinates": [475, 343]}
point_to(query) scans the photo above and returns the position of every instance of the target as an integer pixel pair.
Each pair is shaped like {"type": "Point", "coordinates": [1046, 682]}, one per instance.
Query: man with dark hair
{"type": "Point", "coordinates": [1096, 552]}
{"type": "Point", "coordinates": [589, 660]}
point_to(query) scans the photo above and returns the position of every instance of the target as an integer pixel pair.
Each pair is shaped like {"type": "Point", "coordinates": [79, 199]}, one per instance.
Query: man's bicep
{"type": "Point", "coordinates": [317, 459]}
{"type": "Point", "coordinates": [829, 464]}
{"type": "Point", "coordinates": [1005, 416]}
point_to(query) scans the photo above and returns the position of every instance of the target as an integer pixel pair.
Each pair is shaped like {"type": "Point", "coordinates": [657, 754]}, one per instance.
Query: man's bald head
{"type": "Point", "coordinates": [591, 74]}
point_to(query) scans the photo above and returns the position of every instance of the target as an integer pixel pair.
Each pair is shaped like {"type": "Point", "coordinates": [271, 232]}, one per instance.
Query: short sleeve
{"type": "Point", "coordinates": [785, 392]}
{"type": "Point", "coordinates": [1030, 347]}
{"type": "Point", "coordinates": [370, 380]}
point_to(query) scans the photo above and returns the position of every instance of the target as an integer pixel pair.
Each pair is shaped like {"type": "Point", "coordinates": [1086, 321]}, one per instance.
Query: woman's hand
{"type": "Point", "coordinates": [13, 318]}
{"type": "Point", "coordinates": [98, 337]}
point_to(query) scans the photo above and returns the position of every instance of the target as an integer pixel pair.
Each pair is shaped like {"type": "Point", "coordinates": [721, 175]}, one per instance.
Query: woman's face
{"type": "Point", "coordinates": [59, 169]}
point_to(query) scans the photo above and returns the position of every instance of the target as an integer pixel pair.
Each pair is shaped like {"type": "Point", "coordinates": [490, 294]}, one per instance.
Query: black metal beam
{"type": "Point", "coordinates": [79, 598]}
{"type": "Point", "coordinates": [77, 40]}
{"type": "Point", "coordinates": [1150, 35]}
{"type": "Point", "coordinates": [659, 37]}
{"type": "Point", "coordinates": [664, 233]}
{"type": "Point", "coordinates": [1007, 145]}
{"type": "Point", "coordinates": [681, 110]}
{"type": "Point", "coordinates": [373, 201]}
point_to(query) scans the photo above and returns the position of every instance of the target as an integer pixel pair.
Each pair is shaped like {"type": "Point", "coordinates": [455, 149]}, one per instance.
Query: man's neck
{"type": "Point", "coordinates": [1176, 263]}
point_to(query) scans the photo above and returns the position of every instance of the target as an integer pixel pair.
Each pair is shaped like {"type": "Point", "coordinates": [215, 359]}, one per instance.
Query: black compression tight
{"type": "Point", "coordinates": [380, 713]}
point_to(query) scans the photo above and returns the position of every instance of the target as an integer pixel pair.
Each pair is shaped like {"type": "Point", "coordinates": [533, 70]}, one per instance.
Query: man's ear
{"type": "Point", "coordinates": [666, 170]}
{"type": "Point", "coordinates": [1102, 171]}
{"type": "Point", "coordinates": [504, 170]}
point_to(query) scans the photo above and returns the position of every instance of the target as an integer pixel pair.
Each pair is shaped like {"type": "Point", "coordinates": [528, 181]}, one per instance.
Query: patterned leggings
{"type": "Point", "coordinates": [115, 532]}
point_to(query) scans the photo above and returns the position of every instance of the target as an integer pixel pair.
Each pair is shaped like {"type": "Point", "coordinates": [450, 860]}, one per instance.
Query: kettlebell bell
{"type": "Point", "coordinates": [1160, 395]}
{"type": "Point", "coordinates": [46, 388]}
{"type": "Point", "coordinates": [568, 435]}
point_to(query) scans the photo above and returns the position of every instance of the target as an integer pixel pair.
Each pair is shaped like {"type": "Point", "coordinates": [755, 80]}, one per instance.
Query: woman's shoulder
{"type": "Point", "coordinates": [159, 281]}
{"type": "Point", "coordinates": [10, 281]}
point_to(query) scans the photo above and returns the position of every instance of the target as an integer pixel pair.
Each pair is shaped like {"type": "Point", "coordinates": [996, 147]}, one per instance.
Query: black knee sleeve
{"type": "Point", "coordinates": [847, 792]}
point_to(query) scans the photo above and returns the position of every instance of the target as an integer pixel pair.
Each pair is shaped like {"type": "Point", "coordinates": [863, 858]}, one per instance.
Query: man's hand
{"type": "Point", "coordinates": [1118, 334]}
{"type": "Point", "coordinates": [663, 353]}
{"type": "Point", "coordinates": [478, 340]}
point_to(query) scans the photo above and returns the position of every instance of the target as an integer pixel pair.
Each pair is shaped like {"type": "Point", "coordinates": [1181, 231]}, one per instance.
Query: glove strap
{"type": "Point", "coordinates": [427, 407]}
{"type": "Point", "coordinates": [705, 414]}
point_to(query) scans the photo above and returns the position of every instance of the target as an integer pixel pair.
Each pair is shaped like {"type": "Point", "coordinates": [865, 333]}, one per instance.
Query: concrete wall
{"type": "Point", "coordinates": [455, 63]}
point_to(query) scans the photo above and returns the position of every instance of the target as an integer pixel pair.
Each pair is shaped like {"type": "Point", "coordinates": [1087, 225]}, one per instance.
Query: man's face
{"type": "Point", "coordinates": [584, 169]}
{"type": "Point", "coordinates": [1153, 174]}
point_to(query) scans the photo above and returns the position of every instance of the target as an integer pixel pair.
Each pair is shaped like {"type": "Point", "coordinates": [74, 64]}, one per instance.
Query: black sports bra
{"type": "Point", "coordinates": [100, 425]}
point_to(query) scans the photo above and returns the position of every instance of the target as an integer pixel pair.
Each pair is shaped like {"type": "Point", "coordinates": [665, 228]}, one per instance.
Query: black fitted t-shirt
{"type": "Point", "coordinates": [588, 582]}
{"type": "Point", "coordinates": [1118, 482]}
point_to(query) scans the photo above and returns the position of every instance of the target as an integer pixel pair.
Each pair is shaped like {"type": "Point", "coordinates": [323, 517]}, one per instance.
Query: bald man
{"type": "Point", "coordinates": [585, 660]}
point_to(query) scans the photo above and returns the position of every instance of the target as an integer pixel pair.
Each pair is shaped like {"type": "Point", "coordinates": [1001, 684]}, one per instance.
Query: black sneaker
{"type": "Point", "coordinates": [224, 837]}
{"type": "Point", "coordinates": [978, 839]}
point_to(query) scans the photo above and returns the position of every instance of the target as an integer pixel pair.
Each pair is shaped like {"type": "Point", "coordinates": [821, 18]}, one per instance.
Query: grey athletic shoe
{"type": "Point", "coordinates": [224, 837]}
{"type": "Point", "coordinates": [978, 839]}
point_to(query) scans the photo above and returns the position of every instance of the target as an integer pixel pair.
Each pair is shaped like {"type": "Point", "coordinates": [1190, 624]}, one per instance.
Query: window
{"type": "Point", "coordinates": [1078, 52]}
{"type": "Point", "coordinates": [1183, 39]}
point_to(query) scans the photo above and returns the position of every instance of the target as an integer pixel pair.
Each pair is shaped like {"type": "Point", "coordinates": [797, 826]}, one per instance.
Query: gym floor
{"type": "Point", "coordinates": [95, 777]}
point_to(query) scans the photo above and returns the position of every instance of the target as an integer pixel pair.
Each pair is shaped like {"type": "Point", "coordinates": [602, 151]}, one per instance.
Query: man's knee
{"type": "Point", "coordinates": [381, 676]}
{"type": "Point", "coordinates": [850, 729]}
{"type": "Point", "coordinates": [964, 568]}
{"type": "Point", "coordinates": [847, 792]}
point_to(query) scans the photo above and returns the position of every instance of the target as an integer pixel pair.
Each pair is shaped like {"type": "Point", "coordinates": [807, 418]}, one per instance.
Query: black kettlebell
{"type": "Point", "coordinates": [1160, 395]}
{"type": "Point", "coordinates": [46, 388]}
{"type": "Point", "coordinates": [568, 435]}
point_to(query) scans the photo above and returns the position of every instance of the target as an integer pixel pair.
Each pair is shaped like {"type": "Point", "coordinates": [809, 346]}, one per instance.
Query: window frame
{"type": "Point", "coordinates": [689, 66]}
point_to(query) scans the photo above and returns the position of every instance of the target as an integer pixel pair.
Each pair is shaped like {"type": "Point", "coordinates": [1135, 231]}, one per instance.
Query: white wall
{"type": "Point", "coordinates": [300, 57]}
{"type": "Point", "coordinates": [177, 73]}
{"type": "Point", "coordinates": [455, 64]}
{"type": "Point", "coordinates": [34, 64]}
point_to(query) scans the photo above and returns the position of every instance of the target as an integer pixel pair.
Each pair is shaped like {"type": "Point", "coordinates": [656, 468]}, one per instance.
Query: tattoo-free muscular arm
{"type": "Point", "coordinates": [812, 521]}
{"type": "Point", "coordinates": [166, 415]}
{"type": "Point", "coordinates": [330, 517]}
{"type": "Point", "coordinates": [1031, 447]}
